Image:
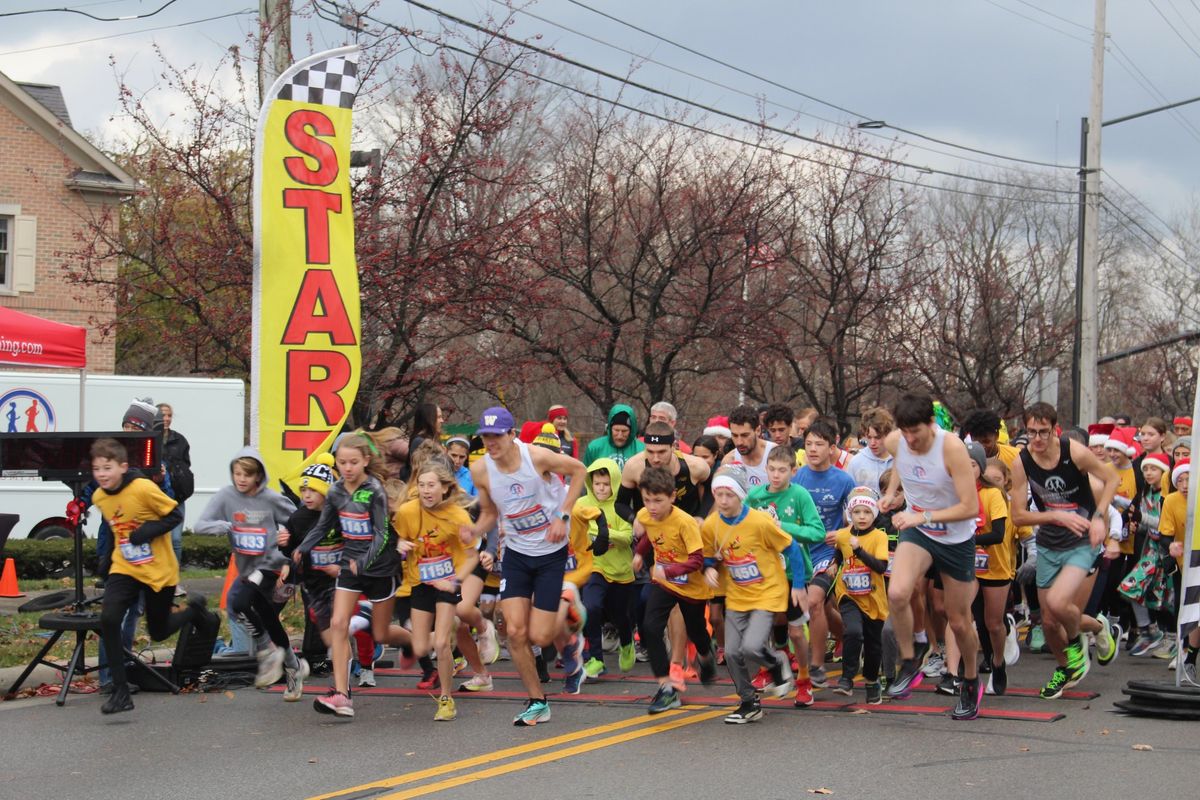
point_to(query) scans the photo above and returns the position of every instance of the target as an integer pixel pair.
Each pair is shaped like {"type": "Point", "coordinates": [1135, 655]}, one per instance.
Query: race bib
{"type": "Point", "coordinates": [857, 581]}
{"type": "Point", "coordinates": [571, 564]}
{"type": "Point", "coordinates": [887, 573]}
{"type": "Point", "coordinates": [136, 554]}
{"type": "Point", "coordinates": [435, 569]}
{"type": "Point", "coordinates": [981, 561]}
{"type": "Point", "coordinates": [931, 528]}
{"type": "Point", "coordinates": [249, 541]}
{"type": "Point", "coordinates": [744, 571]}
{"type": "Point", "coordinates": [822, 565]}
{"type": "Point", "coordinates": [356, 526]}
{"type": "Point", "coordinates": [529, 521]}
{"type": "Point", "coordinates": [329, 556]}
{"type": "Point", "coordinates": [678, 580]}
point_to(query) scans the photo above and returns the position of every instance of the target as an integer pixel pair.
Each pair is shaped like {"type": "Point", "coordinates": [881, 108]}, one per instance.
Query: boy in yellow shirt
{"type": "Point", "coordinates": [673, 539]}
{"type": "Point", "coordinates": [751, 550]}
{"type": "Point", "coordinates": [861, 550]}
{"type": "Point", "coordinates": [142, 561]}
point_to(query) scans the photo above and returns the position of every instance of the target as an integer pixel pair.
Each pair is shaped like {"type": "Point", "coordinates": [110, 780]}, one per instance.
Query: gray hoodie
{"type": "Point", "coordinates": [251, 521]}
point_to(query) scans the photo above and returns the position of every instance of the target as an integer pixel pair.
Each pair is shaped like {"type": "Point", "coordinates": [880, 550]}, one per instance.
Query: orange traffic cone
{"type": "Point", "coordinates": [231, 574]}
{"type": "Point", "coordinates": [8, 581]}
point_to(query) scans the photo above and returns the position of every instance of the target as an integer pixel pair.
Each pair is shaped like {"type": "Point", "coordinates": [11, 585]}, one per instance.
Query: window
{"type": "Point", "coordinates": [6, 226]}
{"type": "Point", "coordinates": [18, 250]}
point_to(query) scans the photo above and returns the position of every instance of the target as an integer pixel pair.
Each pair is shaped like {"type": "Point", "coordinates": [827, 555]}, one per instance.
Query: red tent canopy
{"type": "Point", "coordinates": [35, 342]}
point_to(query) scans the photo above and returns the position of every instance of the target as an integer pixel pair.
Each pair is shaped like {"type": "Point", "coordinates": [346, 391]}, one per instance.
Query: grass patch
{"type": "Point", "coordinates": [51, 584]}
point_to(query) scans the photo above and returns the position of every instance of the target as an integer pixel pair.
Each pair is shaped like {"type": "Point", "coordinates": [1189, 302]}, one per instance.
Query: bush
{"type": "Point", "coordinates": [37, 560]}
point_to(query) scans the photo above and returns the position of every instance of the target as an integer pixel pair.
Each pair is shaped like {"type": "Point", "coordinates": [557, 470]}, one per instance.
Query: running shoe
{"type": "Point", "coordinates": [610, 642]}
{"type": "Point", "coordinates": [909, 678]}
{"type": "Point", "coordinates": [690, 674]}
{"type": "Point", "coordinates": [1146, 642]}
{"type": "Point", "coordinates": [781, 684]}
{"type": "Point", "coordinates": [594, 668]}
{"type": "Point", "coordinates": [430, 681]}
{"type": "Point", "coordinates": [270, 667]}
{"type": "Point", "coordinates": [477, 683]}
{"type": "Point", "coordinates": [572, 682]}
{"type": "Point", "coordinates": [366, 678]}
{"type": "Point", "coordinates": [1012, 648]}
{"type": "Point", "coordinates": [836, 656]}
{"type": "Point", "coordinates": [1078, 663]}
{"type": "Point", "coordinates": [677, 679]}
{"type": "Point", "coordinates": [118, 701]}
{"type": "Point", "coordinates": [748, 711]}
{"type": "Point", "coordinates": [489, 643]}
{"type": "Point", "coordinates": [334, 702]}
{"type": "Point", "coordinates": [1167, 649]}
{"type": "Point", "coordinates": [817, 677]}
{"type": "Point", "coordinates": [408, 659]}
{"type": "Point", "coordinates": [665, 699]}
{"type": "Point", "coordinates": [627, 657]}
{"type": "Point", "coordinates": [1055, 686]}
{"type": "Point", "coordinates": [935, 665]}
{"type": "Point", "coordinates": [804, 697]}
{"type": "Point", "coordinates": [845, 686]}
{"type": "Point", "coordinates": [969, 698]}
{"type": "Point", "coordinates": [998, 680]}
{"type": "Point", "coordinates": [536, 710]}
{"type": "Point", "coordinates": [761, 679]}
{"type": "Point", "coordinates": [576, 610]}
{"type": "Point", "coordinates": [1189, 674]}
{"type": "Point", "coordinates": [1036, 640]}
{"type": "Point", "coordinates": [874, 694]}
{"type": "Point", "coordinates": [445, 710]}
{"type": "Point", "coordinates": [572, 657]}
{"type": "Point", "coordinates": [708, 668]}
{"type": "Point", "coordinates": [1106, 643]}
{"type": "Point", "coordinates": [460, 663]}
{"type": "Point", "coordinates": [949, 685]}
{"type": "Point", "coordinates": [642, 654]}
{"type": "Point", "coordinates": [295, 681]}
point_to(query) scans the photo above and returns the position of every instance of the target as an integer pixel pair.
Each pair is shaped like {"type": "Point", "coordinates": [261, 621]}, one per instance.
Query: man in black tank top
{"type": "Point", "coordinates": [690, 473]}
{"type": "Point", "coordinates": [1071, 527]}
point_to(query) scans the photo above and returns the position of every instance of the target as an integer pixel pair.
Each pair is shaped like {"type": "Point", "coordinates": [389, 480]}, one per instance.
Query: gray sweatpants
{"type": "Point", "coordinates": [747, 639]}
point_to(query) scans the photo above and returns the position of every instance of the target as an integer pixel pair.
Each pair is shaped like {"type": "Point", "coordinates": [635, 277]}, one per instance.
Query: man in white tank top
{"type": "Point", "coordinates": [515, 493]}
{"type": "Point", "coordinates": [936, 529]}
{"type": "Point", "coordinates": [750, 449]}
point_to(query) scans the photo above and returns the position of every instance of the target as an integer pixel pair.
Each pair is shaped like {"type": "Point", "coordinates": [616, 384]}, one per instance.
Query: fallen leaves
{"type": "Point", "coordinates": [1142, 747]}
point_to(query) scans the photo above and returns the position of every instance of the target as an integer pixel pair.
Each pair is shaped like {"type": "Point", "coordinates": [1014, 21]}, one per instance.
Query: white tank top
{"type": "Point", "coordinates": [755, 475]}
{"type": "Point", "coordinates": [928, 487]}
{"type": "Point", "coordinates": [527, 504]}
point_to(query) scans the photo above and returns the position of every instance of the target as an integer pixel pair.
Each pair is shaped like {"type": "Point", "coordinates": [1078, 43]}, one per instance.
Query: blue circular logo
{"type": "Point", "coordinates": [26, 411]}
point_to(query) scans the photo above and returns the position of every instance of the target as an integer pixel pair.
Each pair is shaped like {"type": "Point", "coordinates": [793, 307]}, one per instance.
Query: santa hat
{"type": "Point", "coordinates": [529, 431]}
{"type": "Point", "coordinates": [1098, 433]}
{"type": "Point", "coordinates": [1121, 440]}
{"type": "Point", "coordinates": [718, 426]}
{"type": "Point", "coordinates": [1182, 421]}
{"type": "Point", "coordinates": [1182, 468]}
{"type": "Point", "coordinates": [1158, 460]}
{"type": "Point", "coordinates": [555, 412]}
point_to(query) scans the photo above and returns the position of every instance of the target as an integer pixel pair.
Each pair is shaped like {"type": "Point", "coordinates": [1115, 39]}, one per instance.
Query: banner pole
{"type": "Point", "coordinates": [1189, 614]}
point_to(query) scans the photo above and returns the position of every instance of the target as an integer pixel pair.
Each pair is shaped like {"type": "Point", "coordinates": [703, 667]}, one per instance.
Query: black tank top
{"type": "Point", "coordinates": [1064, 488]}
{"type": "Point", "coordinates": [687, 493]}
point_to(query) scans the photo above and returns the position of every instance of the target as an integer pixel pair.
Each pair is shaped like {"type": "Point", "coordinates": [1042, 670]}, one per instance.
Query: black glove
{"type": "Point", "coordinates": [1027, 571]}
{"type": "Point", "coordinates": [600, 545]}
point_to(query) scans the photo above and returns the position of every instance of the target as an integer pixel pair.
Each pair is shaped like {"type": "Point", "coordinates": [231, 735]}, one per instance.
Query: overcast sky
{"type": "Point", "coordinates": [1006, 76]}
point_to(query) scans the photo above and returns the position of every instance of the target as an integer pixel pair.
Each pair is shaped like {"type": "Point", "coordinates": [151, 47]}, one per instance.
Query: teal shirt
{"type": "Point", "coordinates": [797, 515]}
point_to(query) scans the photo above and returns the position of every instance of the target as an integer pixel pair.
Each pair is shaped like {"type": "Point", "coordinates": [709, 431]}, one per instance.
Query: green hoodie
{"type": "Point", "coordinates": [616, 565]}
{"type": "Point", "coordinates": [796, 513]}
{"type": "Point", "coordinates": [603, 447]}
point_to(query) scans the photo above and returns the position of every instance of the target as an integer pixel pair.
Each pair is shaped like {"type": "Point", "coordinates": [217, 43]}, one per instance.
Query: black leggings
{"type": "Point", "coordinates": [254, 605]}
{"type": "Point", "coordinates": [612, 601]}
{"type": "Point", "coordinates": [860, 634]}
{"type": "Point", "coordinates": [120, 594]}
{"type": "Point", "coordinates": [658, 608]}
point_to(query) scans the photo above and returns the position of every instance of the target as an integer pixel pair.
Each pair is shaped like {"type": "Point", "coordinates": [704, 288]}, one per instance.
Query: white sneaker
{"type": "Point", "coordinates": [478, 683]}
{"type": "Point", "coordinates": [935, 666]}
{"type": "Point", "coordinates": [1012, 648]}
{"type": "Point", "coordinates": [366, 677]}
{"type": "Point", "coordinates": [270, 667]}
{"type": "Point", "coordinates": [295, 681]}
{"type": "Point", "coordinates": [489, 643]}
{"type": "Point", "coordinates": [784, 687]}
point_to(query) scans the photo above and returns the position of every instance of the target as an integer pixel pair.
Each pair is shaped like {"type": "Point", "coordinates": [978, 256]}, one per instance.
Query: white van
{"type": "Point", "coordinates": [209, 412]}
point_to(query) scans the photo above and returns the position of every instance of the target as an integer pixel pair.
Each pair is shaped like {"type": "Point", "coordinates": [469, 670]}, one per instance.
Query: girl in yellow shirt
{"type": "Point", "coordinates": [861, 551]}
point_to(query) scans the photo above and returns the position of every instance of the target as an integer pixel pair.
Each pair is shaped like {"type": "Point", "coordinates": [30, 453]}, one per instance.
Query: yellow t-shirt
{"type": "Point", "coordinates": [140, 501]}
{"type": "Point", "coordinates": [1008, 454]}
{"type": "Point", "coordinates": [579, 545]}
{"type": "Point", "coordinates": [439, 552]}
{"type": "Point", "coordinates": [753, 576]}
{"type": "Point", "coordinates": [673, 539]}
{"type": "Point", "coordinates": [1172, 522]}
{"type": "Point", "coordinates": [858, 581]}
{"type": "Point", "coordinates": [1127, 488]}
{"type": "Point", "coordinates": [997, 562]}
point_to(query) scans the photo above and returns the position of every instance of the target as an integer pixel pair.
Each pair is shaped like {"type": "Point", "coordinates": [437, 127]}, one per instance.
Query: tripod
{"type": "Point", "coordinates": [77, 619]}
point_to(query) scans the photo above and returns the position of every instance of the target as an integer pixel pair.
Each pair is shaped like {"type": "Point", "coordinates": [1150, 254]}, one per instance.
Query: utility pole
{"type": "Point", "coordinates": [1087, 307]}
{"type": "Point", "coordinates": [275, 51]}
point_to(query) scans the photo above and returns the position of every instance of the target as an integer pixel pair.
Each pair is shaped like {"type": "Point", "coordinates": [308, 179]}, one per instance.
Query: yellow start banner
{"type": "Point", "coordinates": [306, 357]}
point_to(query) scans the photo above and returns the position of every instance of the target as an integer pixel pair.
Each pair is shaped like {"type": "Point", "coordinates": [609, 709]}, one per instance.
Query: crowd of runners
{"type": "Point", "coordinates": [915, 549]}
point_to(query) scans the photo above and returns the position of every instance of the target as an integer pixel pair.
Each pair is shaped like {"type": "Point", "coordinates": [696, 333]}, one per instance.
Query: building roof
{"type": "Point", "coordinates": [51, 97]}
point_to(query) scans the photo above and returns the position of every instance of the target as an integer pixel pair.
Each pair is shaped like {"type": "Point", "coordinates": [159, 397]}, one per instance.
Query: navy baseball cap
{"type": "Point", "coordinates": [496, 420]}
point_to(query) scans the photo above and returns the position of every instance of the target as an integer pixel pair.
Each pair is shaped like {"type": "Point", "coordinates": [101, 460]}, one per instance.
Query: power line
{"type": "Point", "coordinates": [1174, 30]}
{"type": "Point", "coordinates": [126, 33]}
{"type": "Point", "coordinates": [1183, 19]}
{"type": "Point", "coordinates": [1136, 223]}
{"type": "Point", "coordinates": [1125, 61]}
{"type": "Point", "coordinates": [797, 92]}
{"type": "Point", "coordinates": [1087, 28]}
{"type": "Point", "coordinates": [712, 109]}
{"type": "Point", "coordinates": [1168, 227]}
{"type": "Point", "coordinates": [86, 14]}
{"type": "Point", "coordinates": [1035, 21]}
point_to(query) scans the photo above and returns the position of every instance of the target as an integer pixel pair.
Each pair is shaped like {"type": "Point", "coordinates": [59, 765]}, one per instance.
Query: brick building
{"type": "Point", "coordinates": [51, 181]}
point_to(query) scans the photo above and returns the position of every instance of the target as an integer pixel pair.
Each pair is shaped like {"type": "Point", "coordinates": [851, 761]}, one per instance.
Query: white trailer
{"type": "Point", "coordinates": [210, 412]}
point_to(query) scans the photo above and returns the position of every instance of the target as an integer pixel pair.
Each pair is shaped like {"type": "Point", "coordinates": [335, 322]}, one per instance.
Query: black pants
{"type": "Point", "coordinates": [659, 604]}
{"type": "Point", "coordinates": [253, 604]}
{"type": "Point", "coordinates": [860, 635]}
{"type": "Point", "coordinates": [612, 601]}
{"type": "Point", "coordinates": [120, 594]}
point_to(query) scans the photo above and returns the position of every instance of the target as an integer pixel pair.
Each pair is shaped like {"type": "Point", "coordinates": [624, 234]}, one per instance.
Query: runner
{"type": "Point", "coordinates": [937, 528]}
{"type": "Point", "coordinates": [620, 442]}
{"type": "Point", "coordinates": [861, 553]}
{"type": "Point", "coordinates": [662, 411]}
{"type": "Point", "coordinates": [874, 459]}
{"type": "Point", "coordinates": [1072, 526]}
{"type": "Point", "coordinates": [750, 449]}
{"type": "Point", "coordinates": [778, 423]}
{"type": "Point", "coordinates": [513, 481]}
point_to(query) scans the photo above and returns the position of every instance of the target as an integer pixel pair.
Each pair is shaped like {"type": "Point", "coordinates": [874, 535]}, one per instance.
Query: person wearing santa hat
{"type": "Point", "coordinates": [1172, 525]}
{"type": "Point", "coordinates": [1098, 434]}
{"type": "Point", "coordinates": [1154, 547]}
{"type": "Point", "coordinates": [718, 428]}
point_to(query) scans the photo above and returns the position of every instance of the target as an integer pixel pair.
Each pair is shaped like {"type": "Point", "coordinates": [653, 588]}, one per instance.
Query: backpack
{"type": "Point", "coordinates": [183, 483]}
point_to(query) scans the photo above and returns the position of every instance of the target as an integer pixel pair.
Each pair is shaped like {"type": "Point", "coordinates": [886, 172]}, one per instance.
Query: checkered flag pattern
{"type": "Point", "coordinates": [332, 82]}
{"type": "Point", "coordinates": [1189, 607]}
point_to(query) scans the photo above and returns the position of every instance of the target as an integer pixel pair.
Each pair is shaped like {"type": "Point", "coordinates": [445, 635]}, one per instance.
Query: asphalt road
{"type": "Point", "coordinates": [249, 743]}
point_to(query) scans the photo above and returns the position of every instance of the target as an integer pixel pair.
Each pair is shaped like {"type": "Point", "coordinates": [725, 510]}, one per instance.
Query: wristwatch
{"type": "Point", "coordinates": [564, 515]}
{"type": "Point", "coordinates": [928, 517]}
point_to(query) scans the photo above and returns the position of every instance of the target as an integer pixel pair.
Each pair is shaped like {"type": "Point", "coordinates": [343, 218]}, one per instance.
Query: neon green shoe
{"type": "Point", "coordinates": [594, 668]}
{"type": "Point", "coordinates": [628, 657]}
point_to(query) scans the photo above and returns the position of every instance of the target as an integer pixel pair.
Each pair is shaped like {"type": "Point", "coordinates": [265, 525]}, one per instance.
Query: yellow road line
{"type": "Point", "coordinates": [556, 755]}
{"type": "Point", "coordinates": [509, 752]}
